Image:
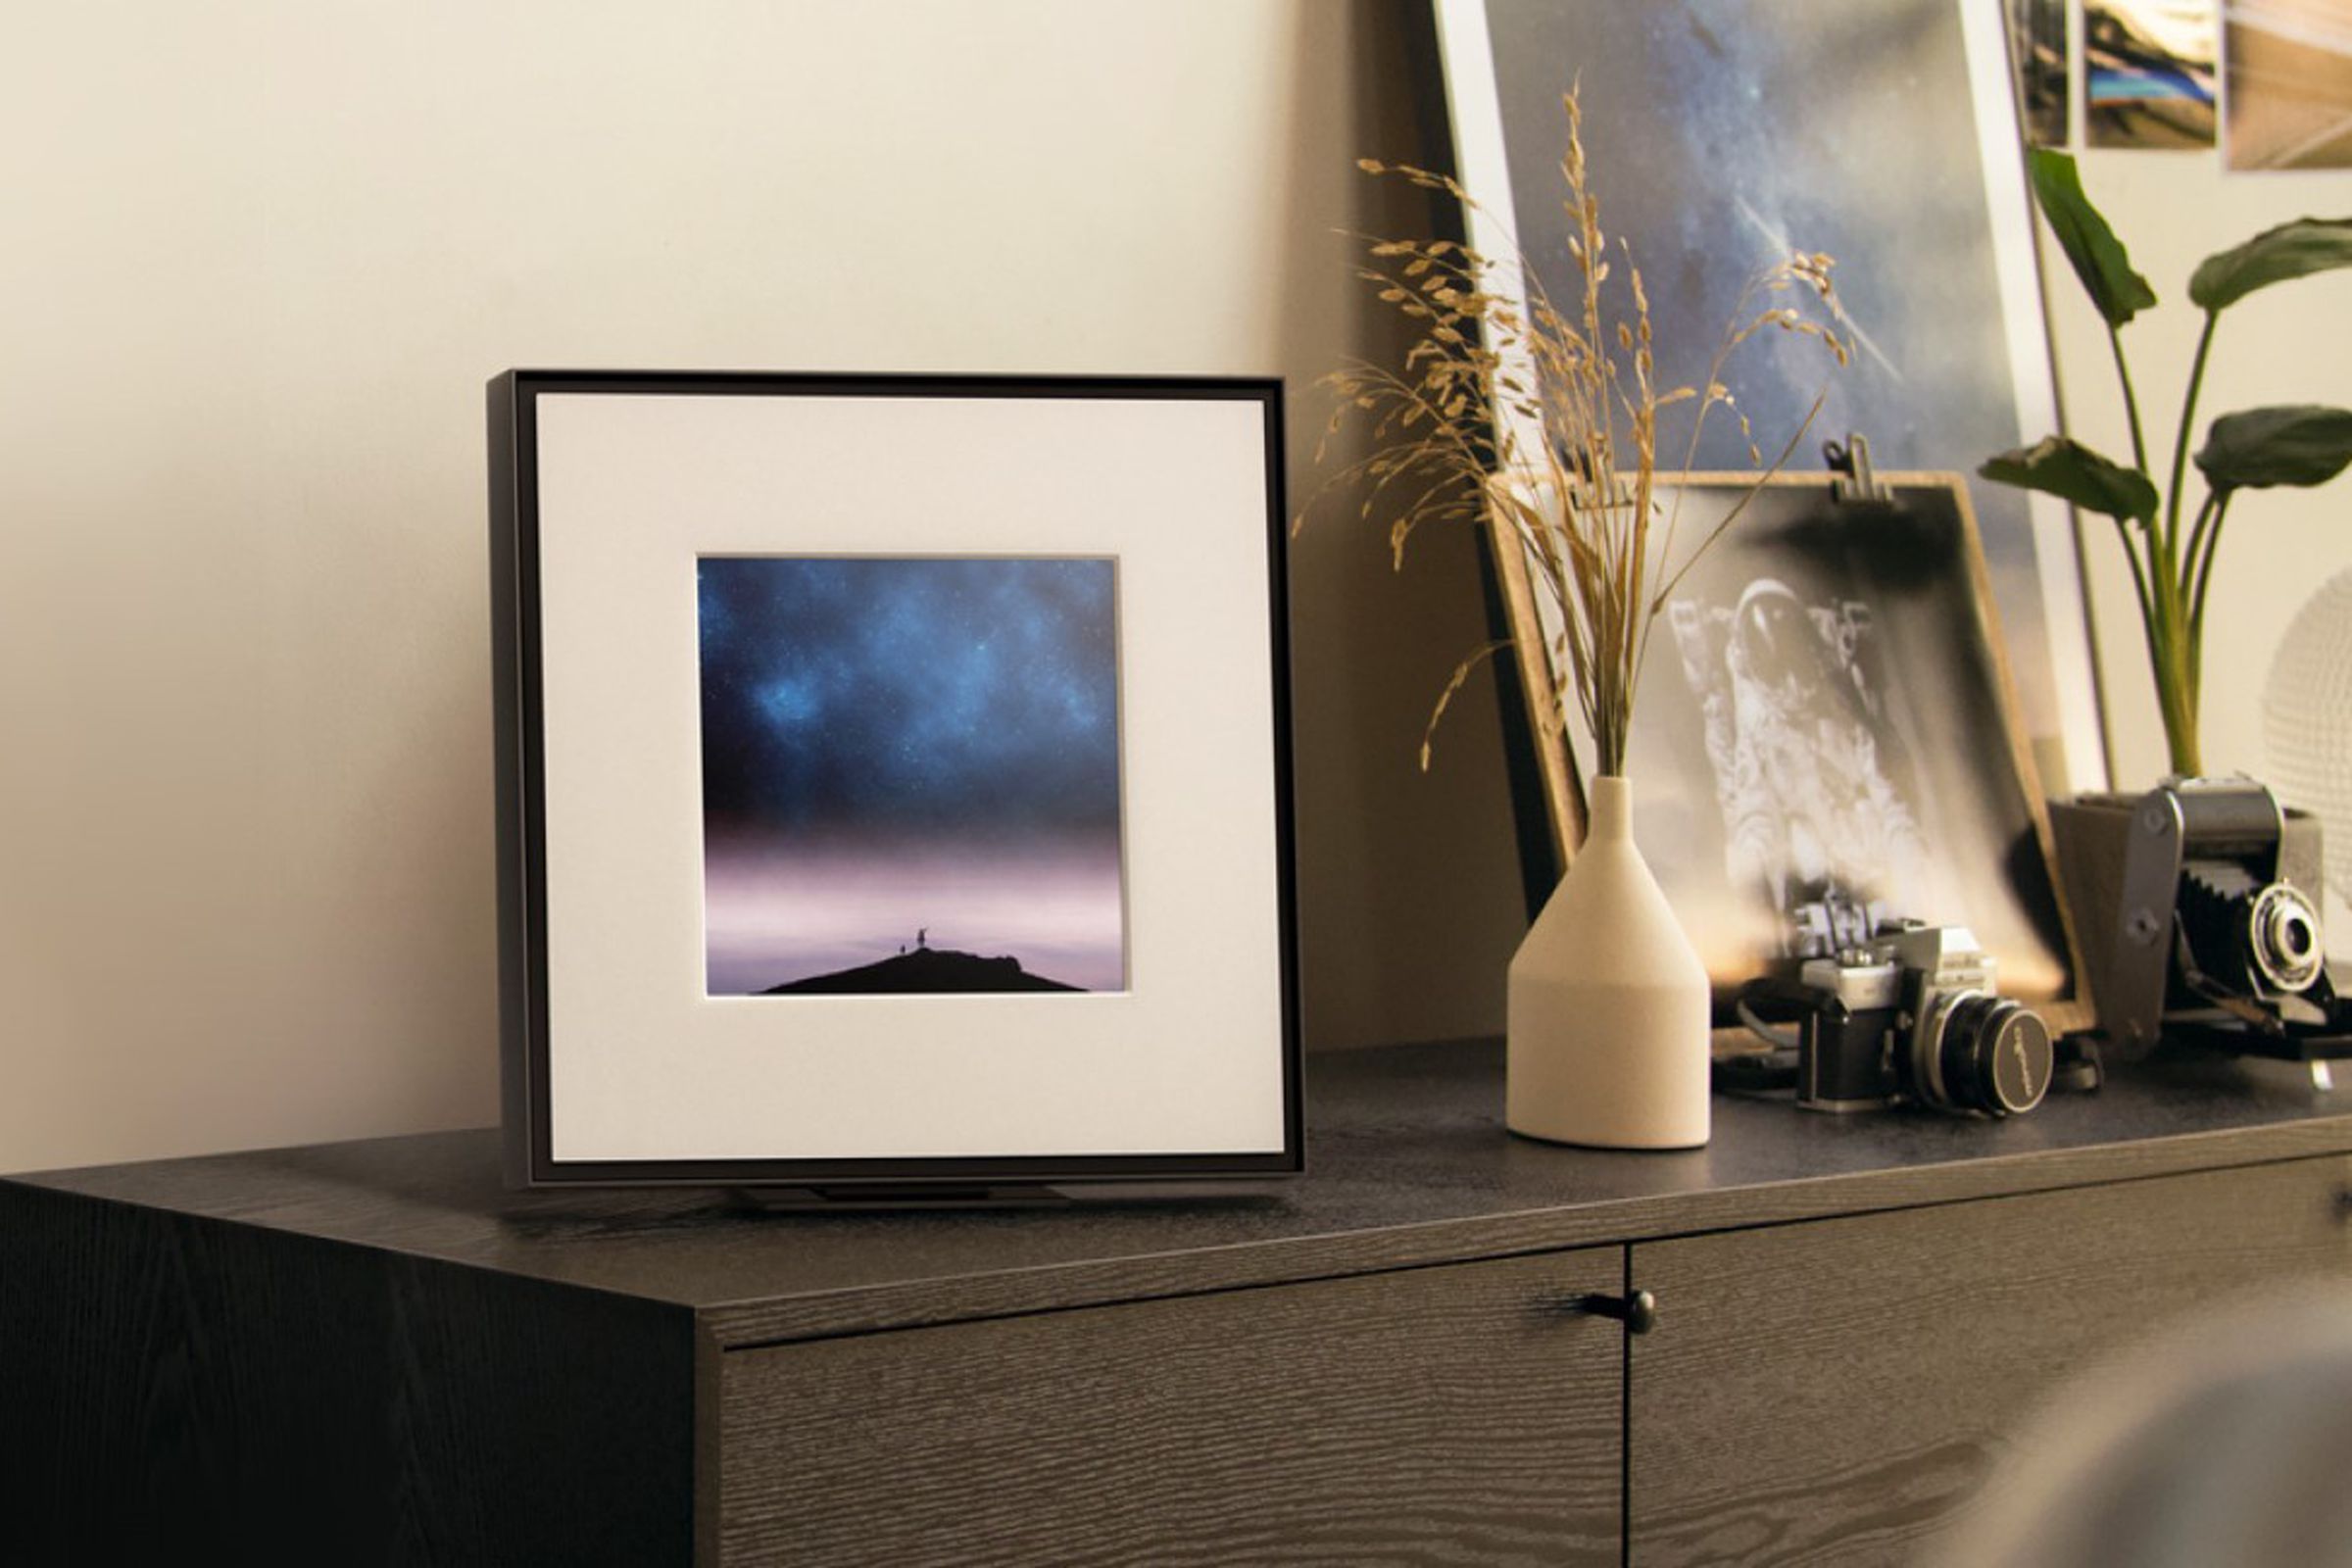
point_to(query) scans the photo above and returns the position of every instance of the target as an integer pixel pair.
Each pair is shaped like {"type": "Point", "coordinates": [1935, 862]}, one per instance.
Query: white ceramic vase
{"type": "Point", "coordinates": [1608, 1007]}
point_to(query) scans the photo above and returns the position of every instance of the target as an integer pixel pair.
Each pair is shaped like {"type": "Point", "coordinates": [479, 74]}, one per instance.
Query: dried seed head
{"type": "Point", "coordinates": [1562, 404]}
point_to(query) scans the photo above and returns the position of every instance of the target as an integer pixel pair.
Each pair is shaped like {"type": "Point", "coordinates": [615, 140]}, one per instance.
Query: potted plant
{"type": "Point", "coordinates": [1544, 415]}
{"type": "Point", "coordinates": [2170, 548]}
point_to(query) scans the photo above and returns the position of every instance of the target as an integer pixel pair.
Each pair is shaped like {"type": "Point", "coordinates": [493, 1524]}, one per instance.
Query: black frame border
{"type": "Point", "coordinates": [515, 663]}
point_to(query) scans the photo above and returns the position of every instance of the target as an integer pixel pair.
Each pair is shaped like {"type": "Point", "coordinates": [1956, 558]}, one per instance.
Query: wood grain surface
{"type": "Point", "coordinates": [1440, 1416]}
{"type": "Point", "coordinates": [373, 1352]}
{"type": "Point", "coordinates": [1837, 1392]}
{"type": "Point", "coordinates": [1408, 1161]}
{"type": "Point", "coordinates": [175, 1389]}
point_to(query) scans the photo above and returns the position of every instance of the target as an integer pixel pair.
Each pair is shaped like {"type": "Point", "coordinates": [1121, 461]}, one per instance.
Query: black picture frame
{"type": "Point", "coordinates": [1200, 574]}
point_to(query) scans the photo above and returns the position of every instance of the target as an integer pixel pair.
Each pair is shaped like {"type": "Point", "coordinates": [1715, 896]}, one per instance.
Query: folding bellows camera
{"type": "Point", "coordinates": [2199, 904]}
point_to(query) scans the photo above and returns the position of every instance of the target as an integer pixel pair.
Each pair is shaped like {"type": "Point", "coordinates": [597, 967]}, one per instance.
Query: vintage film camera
{"type": "Point", "coordinates": [2208, 914]}
{"type": "Point", "coordinates": [1910, 1017]}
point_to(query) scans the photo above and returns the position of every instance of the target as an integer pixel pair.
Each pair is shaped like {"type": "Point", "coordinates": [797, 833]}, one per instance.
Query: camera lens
{"type": "Point", "coordinates": [2282, 934]}
{"type": "Point", "coordinates": [1986, 1054]}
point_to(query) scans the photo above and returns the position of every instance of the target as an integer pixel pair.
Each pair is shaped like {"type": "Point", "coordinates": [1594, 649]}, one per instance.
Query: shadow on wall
{"type": "Point", "coordinates": [1410, 893]}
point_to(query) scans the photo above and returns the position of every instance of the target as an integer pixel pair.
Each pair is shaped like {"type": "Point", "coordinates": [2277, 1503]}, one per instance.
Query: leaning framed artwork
{"type": "Point", "coordinates": [1828, 737]}
{"type": "Point", "coordinates": [1882, 132]}
{"type": "Point", "coordinates": [892, 780]}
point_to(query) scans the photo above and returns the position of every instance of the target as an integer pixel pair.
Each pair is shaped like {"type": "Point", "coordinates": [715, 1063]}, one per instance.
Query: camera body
{"type": "Point", "coordinates": [1913, 1017]}
{"type": "Point", "coordinates": [2215, 935]}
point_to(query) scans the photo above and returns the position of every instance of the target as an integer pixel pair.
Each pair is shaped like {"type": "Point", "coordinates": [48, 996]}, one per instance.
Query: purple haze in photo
{"type": "Point", "coordinates": [909, 757]}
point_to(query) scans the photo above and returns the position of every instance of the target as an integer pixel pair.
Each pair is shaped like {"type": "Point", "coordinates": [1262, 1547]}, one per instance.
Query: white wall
{"type": "Point", "coordinates": [257, 259]}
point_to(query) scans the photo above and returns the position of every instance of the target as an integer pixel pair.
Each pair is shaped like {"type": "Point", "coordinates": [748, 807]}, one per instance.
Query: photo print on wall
{"type": "Point", "coordinates": [910, 775]}
{"type": "Point", "coordinates": [2037, 51]}
{"type": "Point", "coordinates": [2288, 100]}
{"type": "Point", "coordinates": [2148, 72]}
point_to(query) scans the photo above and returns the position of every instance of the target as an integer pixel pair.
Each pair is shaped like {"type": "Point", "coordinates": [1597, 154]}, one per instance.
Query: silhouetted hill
{"type": "Point", "coordinates": [926, 970]}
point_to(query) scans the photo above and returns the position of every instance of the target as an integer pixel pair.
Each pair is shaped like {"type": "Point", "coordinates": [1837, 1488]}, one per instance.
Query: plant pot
{"type": "Point", "coordinates": [1608, 1003]}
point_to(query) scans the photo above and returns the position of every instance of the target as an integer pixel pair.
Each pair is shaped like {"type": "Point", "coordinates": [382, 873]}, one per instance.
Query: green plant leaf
{"type": "Point", "coordinates": [2073, 472]}
{"type": "Point", "coordinates": [2278, 255]}
{"type": "Point", "coordinates": [2098, 257]}
{"type": "Point", "coordinates": [2301, 444]}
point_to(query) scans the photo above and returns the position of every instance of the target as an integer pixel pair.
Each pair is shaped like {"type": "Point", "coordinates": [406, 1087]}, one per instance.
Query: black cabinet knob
{"type": "Point", "coordinates": [1638, 1310]}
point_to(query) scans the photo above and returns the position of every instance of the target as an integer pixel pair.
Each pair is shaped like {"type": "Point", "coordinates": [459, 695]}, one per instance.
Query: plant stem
{"type": "Point", "coordinates": [2169, 657]}
{"type": "Point", "coordinates": [2201, 552]}
{"type": "Point", "coordinates": [2180, 439]}
{"type": "Point", "coordinates": [2181, 736]}
{"type": "Point", "coordinates": [2199, 547]}
{"type": "Point", "coordinates": [2139, 577]}
{"type": "Point", "coordinates": [2175, 584]}
{"type": "Point", "coordinates": [2123, 373]}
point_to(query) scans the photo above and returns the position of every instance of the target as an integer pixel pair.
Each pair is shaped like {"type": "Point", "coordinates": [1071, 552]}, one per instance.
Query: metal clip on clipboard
{"type": "Point", "coordinates": [1853, 481]}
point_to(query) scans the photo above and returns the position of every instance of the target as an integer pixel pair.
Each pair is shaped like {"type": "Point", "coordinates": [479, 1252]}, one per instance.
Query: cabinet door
{"type": "Point", "coordinates": [1833, 1393]}
{"type": "Point", "coordinates": [1463, 1414]}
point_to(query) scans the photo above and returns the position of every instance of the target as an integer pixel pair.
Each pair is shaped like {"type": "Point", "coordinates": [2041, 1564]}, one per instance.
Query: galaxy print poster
{"type": "Point", "coordinates": [1722, 133]}
{"type": "Point", "coordinates": [910, 775]}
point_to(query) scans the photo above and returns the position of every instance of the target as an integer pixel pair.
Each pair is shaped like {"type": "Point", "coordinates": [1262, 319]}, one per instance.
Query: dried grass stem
{"type": "Point", "coordinates": [1549, 422]}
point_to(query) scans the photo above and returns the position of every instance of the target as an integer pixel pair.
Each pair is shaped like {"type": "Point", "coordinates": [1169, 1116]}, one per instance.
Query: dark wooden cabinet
{"type": "Point", "coordinates": [1461, 1415]}
{"type": "Point", "coordinates": [180, 1389]}
{"type": "Point", "coordinates": [1836, 1392]}
{"type": "Point", "coordinates": [372, 1354]}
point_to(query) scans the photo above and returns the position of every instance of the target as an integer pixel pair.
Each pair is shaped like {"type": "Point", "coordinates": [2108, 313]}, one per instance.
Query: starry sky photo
{"type": "Point", "coordinates": [1724, 133]}
{"type": "Point", "coordinates": [909, 758]}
